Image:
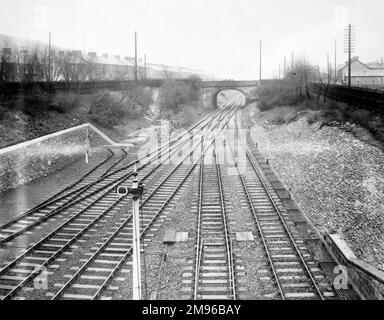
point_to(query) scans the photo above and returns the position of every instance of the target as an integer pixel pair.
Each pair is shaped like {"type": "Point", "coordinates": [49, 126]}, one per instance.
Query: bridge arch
{"type": "Point", "coordinates": [219, 90]}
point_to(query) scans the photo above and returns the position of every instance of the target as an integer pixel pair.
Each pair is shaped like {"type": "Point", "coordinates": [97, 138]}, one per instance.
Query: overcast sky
{"type": "Point", "coordinates": [217, 36]}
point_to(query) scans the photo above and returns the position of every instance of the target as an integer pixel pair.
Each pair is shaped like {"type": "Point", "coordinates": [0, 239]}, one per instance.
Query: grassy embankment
{"type": "Point", "coordinates": [282, 104]}
{"type": "Point", "coordinates": [117, 113]}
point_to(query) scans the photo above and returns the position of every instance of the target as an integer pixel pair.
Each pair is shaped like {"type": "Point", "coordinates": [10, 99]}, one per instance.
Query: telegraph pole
{"type": "Point", "coordinates": [135, 56]}
{"type": "Point", "coordinates": [292, 61]}
{"type": "Point", "coordinates": [349, 56]}
{"type": "Point", "coordinates": [260, 64]}
{"type": "Point", "coordinates": [285, 67]}
{"type": "Point", "coordinates": [49, 60]}
{"type": "Point", "coordinates": [335, 61]}
{"type": "Point", "coordinates": [349, 38]}
{"type": "Point", "coordinates": [145, 66]}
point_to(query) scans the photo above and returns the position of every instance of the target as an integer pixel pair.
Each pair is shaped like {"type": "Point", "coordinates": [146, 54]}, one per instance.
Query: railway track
{"type": "Point", "coordinates": [59, 206]}
{"type": "Point", "coordinates": [36, 215]}
{"type": "Point", "coordinates": [23, 269]}
{"type": "Point", "coordinates": [294, 270]}
{"type": "Point", "coordinates": [121, 239]}
{"type": "Point", "coordinates": [214, 270]}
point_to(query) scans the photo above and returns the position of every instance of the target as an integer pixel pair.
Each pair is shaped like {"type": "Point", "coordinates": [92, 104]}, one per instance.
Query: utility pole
{"type": "Point", "coordinates": [279, 72]}
{"type": "Point", "coordinates": [349, 42]}
{"type": "Point", "coordinates": [285, 67]}
{"type": "Point", "coordinates": [83, 42]}
{"type": "Point", "coordinates": [349, 56]}
{"type": "Point", "coordinates": [49, 60]}
{"type": "Point", "coordinates": [260, 65]}
{"type": "Point", "coordinates": [328, 69]}
{"type": "Point", "coordinates": [335, 61]}
{"type": "Point", "coordinates": [135, 56]}
{"type": "Point", "coordinates": [145, 66]}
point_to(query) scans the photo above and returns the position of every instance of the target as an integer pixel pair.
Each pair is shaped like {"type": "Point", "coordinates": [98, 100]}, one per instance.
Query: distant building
{"type": "Point", "coordinates": [362, 74]}
{"type": "Point", "coordinates": [28, 60]}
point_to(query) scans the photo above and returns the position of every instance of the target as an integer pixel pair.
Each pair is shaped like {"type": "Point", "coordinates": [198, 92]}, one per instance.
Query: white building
{"type": "Point", "coordinates": [363, 74]}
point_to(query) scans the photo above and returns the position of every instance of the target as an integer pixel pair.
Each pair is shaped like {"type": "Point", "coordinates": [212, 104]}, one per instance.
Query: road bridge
{"type": "Point", "coordinates": [211, 89]}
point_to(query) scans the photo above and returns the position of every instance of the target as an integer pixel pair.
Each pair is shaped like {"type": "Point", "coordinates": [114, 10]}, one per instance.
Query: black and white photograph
{"type": "Point", "coordinates": [191, 156]}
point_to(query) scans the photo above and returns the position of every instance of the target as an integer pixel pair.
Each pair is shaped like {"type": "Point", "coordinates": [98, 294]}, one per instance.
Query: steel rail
{"type": "Point", "coordinates": [54, 198]}
{"type": "Point", "coordinates": [288, 232]}
{"type": "Point", "coordinates": [80, 190]}
{"type": "Point", "coordinates": [66, 245]}
{"type": "Point", "coordinates": [61, 208]}
{"type": "Point", "coordinates": [74, 201]}
{"type": "Point", "coordinates": [37, 270]}
{"type": "Point", "coordinates": [116, 232]}
{"type": "Point", "coordinates": [199, 244]}
{"type": "Point", "coordinates": [49, 259]}
{"type": "Point", "coordinates": [233, 269]}
{"type": "Point", "coordinates": [123, 156]}
{"type": "Point", "coordinates": [121, 262]}
{"type": "Point", "coordinates": [249, 200]}
{"type": "Point", "coordinates": [71, 241]}
{"type": "Point", "coordinates": [12, 263]}
{"type": "Point", "coordinates": [226, 233]}
{"type": "Point", "coordinates": [199, 240]}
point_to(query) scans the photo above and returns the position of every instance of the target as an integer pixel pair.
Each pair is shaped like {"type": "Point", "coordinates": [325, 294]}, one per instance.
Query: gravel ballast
{"type": "Point", "coordinates": [336, 179]}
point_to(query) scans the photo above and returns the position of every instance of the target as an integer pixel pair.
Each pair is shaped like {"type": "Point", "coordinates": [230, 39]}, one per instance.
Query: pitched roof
{"type": "Point", "coordinates": [370, 65]}
{"type": "Point", "coordinates": [375, 65]}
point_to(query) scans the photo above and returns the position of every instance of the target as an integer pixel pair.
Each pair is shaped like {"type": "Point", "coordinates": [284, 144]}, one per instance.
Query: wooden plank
{"type": "Point", "coordinates": [181, 236]}
{"type": "Point", "coordinates": [169, 236]}
{"type": "Point", "coordinates": [244, 236]}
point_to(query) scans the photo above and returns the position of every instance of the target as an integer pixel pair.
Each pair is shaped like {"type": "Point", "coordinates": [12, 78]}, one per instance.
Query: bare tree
{"type": "Point", "coordinates": [50, 66]}
{"type": "Point", "coordinates": [167, 74]}
{"type": "Point", "coordinates": [91, 68]}
{"type": "Point", "coordinates": [7, 61]}
{"type": "Point", "coordinates": [73, 67]}
{"type": "Point", "coordinates": [301, 76]}
{"type": "Point", "coordinates": [6, 68]}
{"type": "Point", "coordinates": [34, 68]}
{"type": "Point", "coordinates": [325, 82]}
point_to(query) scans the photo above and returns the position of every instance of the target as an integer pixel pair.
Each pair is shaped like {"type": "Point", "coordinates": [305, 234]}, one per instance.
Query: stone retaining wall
{"type": "Point", "coordinates": [29, 160]}
{"type": "Point", "coordinates": [366, 280]}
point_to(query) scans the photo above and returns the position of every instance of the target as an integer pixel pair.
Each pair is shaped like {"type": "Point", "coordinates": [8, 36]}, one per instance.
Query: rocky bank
{"type": "Point", "coordinates": [336, 179]}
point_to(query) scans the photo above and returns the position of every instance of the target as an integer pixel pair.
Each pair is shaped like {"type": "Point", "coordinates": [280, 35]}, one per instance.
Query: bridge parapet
{"type": "Point", "coordinates": [228, 84]}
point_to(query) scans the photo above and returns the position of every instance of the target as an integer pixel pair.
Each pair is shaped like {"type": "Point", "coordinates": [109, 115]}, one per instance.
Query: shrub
{"type": "Point", "coordinates": [106, 109]}
{"type": "Point", "coordinates": [137, 101]}
{"type": "Point", "coordinates": [278, 119]}
{"type": "Point", "coordinates": [173, 95]}
{"type": "Point", "coordinates": [110, 108]}
{"type": "Point", "coordinates": [176, 93]}
{"type": "Point", "coordinates": [278, 94]}
{"type": "Point", "coordinates": [314, 116]}
{"type": "Point", "coordinates": [291, 116]}
{"type": "Point", "coordinates": [36, 100]}
{"type": "Point", "coordinates": [65, 103]}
